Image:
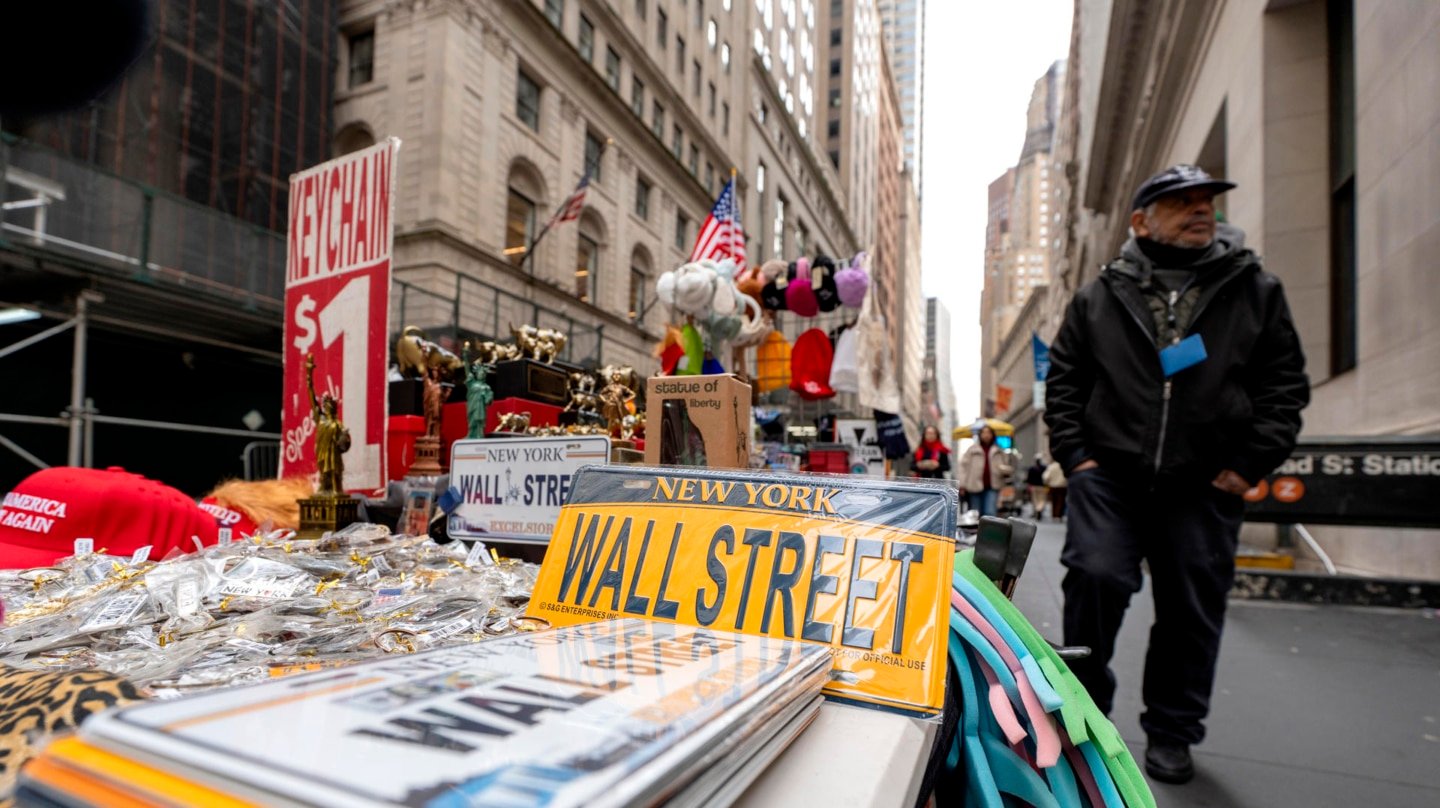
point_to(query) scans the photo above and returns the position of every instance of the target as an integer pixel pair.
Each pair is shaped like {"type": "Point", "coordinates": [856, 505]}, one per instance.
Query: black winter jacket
{"type": "Point", "coordinates": [1107, 397]}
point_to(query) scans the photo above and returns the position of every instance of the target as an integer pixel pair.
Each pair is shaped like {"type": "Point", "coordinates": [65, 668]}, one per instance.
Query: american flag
{"type": "Point", "coordinates": [721, 236]}
{"type": "Point", "coordinates": [570, 211]}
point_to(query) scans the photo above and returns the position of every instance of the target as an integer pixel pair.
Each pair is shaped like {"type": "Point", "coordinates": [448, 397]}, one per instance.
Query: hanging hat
{"type": "Point", "coordinates": [799, 294]}
{"type": "Point", "coordinates": [852, 283]}
{"type": "Point", "coordinates": [772, 363]}
{"type": "Point", "coordinates": [822, 279]}
{"type": "Point", "coordinates": [810, 366]}
{"type": "Point", "coordinates": [777, 275]}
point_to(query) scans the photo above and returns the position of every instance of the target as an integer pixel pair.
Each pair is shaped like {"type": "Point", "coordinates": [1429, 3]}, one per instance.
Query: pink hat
{"type": "Point", "coordinates": [799, 295]}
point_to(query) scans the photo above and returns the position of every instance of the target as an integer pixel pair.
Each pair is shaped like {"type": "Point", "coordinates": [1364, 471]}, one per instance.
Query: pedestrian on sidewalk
{"type": "Point", "coordinates": [1055, 485]}
{"type": "Point", "coordinates": [1176, 382]}
{"type": "Point", "coordinates": [1035, 485]}
{"type": "Point", "coordinates": [985, 468]}
{"type": "Point", "coordinates": [932, 459]}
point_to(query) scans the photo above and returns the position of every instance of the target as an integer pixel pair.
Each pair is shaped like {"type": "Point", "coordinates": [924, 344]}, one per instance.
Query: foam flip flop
{"type": "Point", "coordinates": [1082, 720]}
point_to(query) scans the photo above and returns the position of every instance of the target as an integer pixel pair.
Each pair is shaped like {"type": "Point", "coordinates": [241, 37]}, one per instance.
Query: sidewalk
{"type": "Point", "coordinates": [1314, 706]}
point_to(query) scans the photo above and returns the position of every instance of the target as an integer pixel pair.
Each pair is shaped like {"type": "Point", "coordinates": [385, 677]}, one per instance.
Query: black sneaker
{"type": "Point", "coordinates": [1169, 762]}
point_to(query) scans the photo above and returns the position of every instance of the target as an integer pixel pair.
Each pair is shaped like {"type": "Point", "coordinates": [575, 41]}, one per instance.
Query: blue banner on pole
{"type": "Point", "coordinates": [1042, 357]}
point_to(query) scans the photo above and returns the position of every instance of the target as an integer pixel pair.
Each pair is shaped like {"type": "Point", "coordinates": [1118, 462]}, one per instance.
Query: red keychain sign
{"type": "Point", "coordinates": [337, 307]}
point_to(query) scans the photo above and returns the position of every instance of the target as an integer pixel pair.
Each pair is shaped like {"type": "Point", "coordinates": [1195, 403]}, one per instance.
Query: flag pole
{"type": "Point", "coordinates": [735, 200]}
{"type": "Point", "coordinates": [525, 262]}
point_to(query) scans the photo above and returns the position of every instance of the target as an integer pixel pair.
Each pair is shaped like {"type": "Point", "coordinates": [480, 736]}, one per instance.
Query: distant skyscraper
{"type": "Point", "coordinates": [904, 24]}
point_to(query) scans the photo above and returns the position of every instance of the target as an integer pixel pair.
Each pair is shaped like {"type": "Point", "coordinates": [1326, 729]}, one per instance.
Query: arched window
{"type": "Point", "coordinates": [639, 283]}
{"type": "Point", "coordinates": [352, 138]}
{"type": "Point", "coordinates": [525, 192]}
{"type": "Point", "coordinates": [587, 255]}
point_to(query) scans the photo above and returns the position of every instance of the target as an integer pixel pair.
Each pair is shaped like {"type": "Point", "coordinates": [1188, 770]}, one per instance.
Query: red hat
{"type": "Point", "coordinates": [240, 525]}
{"type": "Point", "coordinates": [810, 365]}
{"type": "Point", "coordinates": [41, 519]}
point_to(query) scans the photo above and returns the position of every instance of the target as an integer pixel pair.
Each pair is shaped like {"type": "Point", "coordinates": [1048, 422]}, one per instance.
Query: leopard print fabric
{"type": "Point", "coordinates": [37, 706]}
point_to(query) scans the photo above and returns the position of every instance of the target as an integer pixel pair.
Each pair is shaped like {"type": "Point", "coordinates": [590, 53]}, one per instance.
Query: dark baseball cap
{"type": "Point", "coordinates": [1177, 178]}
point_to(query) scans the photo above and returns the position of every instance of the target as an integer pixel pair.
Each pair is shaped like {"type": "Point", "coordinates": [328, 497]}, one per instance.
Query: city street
{"type": "Point", "coordinates": [1314, 706]}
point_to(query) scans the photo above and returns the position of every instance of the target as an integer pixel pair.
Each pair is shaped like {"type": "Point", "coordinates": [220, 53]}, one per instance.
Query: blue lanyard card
{"type": "Point", "coordinates": [1183, 354]}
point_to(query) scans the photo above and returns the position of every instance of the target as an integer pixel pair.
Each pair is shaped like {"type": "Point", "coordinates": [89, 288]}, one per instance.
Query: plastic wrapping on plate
{"type": "Point", "coordinates": [249, 610]}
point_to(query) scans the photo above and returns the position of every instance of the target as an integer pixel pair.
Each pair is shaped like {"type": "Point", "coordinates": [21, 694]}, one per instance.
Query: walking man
{"type": "Point", "coordinates": [1176, 383]}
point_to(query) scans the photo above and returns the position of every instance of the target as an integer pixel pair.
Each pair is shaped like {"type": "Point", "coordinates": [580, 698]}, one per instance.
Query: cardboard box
{"type": "Point", "coordinates": [697, 421]}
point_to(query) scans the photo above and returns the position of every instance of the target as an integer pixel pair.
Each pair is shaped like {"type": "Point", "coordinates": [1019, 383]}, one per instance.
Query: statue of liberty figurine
{"type": "Point", "coordinates": [478, 394]}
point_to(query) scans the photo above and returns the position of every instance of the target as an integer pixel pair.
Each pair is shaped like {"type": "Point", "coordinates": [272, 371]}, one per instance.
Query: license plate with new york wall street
{"type": "Point", "coordinates": [857, 564]}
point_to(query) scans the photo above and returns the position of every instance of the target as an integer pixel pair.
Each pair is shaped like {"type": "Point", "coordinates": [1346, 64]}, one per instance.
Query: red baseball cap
{"type": "Point", "coordinates": [240, 524]}
{"type": "Point", "coordinates": [41, 519]}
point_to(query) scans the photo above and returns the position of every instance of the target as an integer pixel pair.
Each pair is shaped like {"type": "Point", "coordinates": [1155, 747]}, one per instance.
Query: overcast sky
{"type": "Point", "coordinates": [981, 62]}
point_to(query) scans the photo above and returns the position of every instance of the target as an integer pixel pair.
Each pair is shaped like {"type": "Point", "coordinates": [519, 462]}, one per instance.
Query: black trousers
{"type": "Point", "coordinates": [1187, 534]}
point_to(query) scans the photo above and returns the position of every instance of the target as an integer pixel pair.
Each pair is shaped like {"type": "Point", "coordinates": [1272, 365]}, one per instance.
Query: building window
{"type": "Point", "coordinates": [694, 160]}
{"type": "Point", "coordinates": [833, 129]}
{"type": "Point", "coordinates": [594, 150]}
{"type": "Point", "coordinates": [612, 69]}
{"type": "Point", "coordinates": [657, 123]}
{"type": "Point", "coordinates": [527, 101]}
{"type": "Point", "coordinates": [778, 227]}
{"type": "Point", "coordinates": [682, 231]}
{"type": "Point", "coordinates": [640, 8]}
{"type": "Point", "coordinates": [834, 67]}
{"type": "Point", "coordinates": [637, 96]}
{"type": "Point", "coordinates": [677, 139]}
{"type": "Point", "coordinates": [680, 54]}
{"type": "Point", "coordinates": [725, 57]}
{"type": "Point", "coordinates": [760, 178]}
{"type": "Point", "coordinates": [699, 13]}
{"type": "Point", "coordinates": [696, 65]}
{"type": "Point", "coordinates": [587, 39]}
{"type": "Point", "coordinates": [587, 264]}
{"type": "Point", "coordinates": [362, 58]}
{"type": "Point", "coordinates": [725, 118]}
{"type": "Point", "coordinates": [519, 226]}
{"type": "Point", "coordinates": [662, 28]}
{"type": "Point", "coordinates": [802, 239]}
{"type": "Point", "coordinates": [712, 33]}
{"type": "Point", "coordinates": [712, 99]}
{"type": "Point", "coordinates": [710, 178]}
{"type": "Point", "coordinates": [1344, 292]}
{"type": "Point", "coordinates": [638, 281]}
{"type": "Point", "coordinates": [642, 198]}
{"type": "Point", "coordinates": [555, 12]}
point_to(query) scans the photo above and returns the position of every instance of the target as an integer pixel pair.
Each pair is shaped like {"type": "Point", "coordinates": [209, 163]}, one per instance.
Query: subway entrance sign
{"type": "Point", "coordinates": [860, 566]}
{"type": "Point", "coordinates": [1383, 481]}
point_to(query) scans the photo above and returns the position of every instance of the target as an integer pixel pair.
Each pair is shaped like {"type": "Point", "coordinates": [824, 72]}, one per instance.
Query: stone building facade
{"type": "Point", "coordinates": [502, 106]}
